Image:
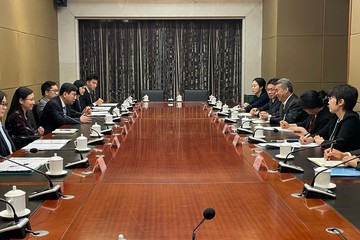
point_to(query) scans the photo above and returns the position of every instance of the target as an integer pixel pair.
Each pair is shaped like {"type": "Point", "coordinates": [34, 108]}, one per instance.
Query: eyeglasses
{"type": "Point", "coordinates": [56, 91]}
{"type": "Point", "coordinates": [270, 90]}
{"type": "Point", "coordinates": [4, 104]}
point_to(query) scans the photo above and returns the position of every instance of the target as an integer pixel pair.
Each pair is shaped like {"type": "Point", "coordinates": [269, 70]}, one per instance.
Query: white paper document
{"type": "Point", "coordinates": [108, 105]}
{"type": "Point", "coordinates": [65, 131]}
{"type": "Point", "coordinates": [320, 161]}
{"type": "Point", "coordinates": [32, 162]}
{"type": "Point", "coordinates": [47, 144]}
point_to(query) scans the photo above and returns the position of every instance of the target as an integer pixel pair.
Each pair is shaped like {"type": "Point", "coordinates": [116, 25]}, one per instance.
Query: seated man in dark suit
{"type": "Point", "coordinates": [87, 99]}
{"type": "Point", "coordinates": [290, 110]}
{"type": "Point", "coordinates": [7, 147]}
{"type": "Point", "coordinates": [53, 115]}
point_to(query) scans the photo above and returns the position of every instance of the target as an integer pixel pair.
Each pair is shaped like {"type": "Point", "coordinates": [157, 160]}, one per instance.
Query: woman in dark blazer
{"type": "Point", "coordinates": [258, 87]}
{"type": "Point", "coordinates": [7, 146]}
{"type": "Point", "coordinates": [315, 104]}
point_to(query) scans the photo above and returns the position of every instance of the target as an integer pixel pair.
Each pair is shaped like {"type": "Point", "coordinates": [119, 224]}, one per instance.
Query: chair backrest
{"type": "Point", "coordinates": [154, 95]}
{"type": "Point", "coordinates": [196, 95]}
{"type": "Point", "coordinates": [33, 116]}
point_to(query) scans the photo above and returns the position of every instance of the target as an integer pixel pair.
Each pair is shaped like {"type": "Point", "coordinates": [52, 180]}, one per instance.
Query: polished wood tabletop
{"type": "Point", "coordinates": [174, 163]}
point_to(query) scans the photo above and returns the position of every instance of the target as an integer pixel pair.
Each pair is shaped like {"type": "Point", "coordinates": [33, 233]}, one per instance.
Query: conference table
{"type": "Point", "coordinates": [174, 162]}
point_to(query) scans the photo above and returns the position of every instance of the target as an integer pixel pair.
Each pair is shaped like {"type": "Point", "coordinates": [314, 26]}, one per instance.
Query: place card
{"type": "Point", "coordinates": [225, 129]}
{"type": "Point", "coordinates": [101, 164]}
{"type": "Point", "coordinates": [236, 140]}
{"type": "Point", "coordinates": [259, 162]}
{"type": "Point", "coordinates": [210, 112]}
{"type": "Point", "coordinates": [115, 142]}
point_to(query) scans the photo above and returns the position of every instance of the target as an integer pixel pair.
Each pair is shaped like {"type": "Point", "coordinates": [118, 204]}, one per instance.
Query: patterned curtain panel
{"type": "Point", "coordinates": [171, 55]}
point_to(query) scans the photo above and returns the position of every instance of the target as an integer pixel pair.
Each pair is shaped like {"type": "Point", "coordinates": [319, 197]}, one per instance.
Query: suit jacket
{"type": "Point", "coordinates": [4, 151]}
{"type": "Point", "coordinates": [41, 104]}
{"type": "Point", "coordinates": [292, 111]}
{"type": "Point", "coordinates": [258, 101]}
{"type": "Point", "coordinates": [77, 106]}
{"type": "Point", "coordinates": [86, 99]}
{"type": "Point", "coordinates": [272, 107]}
{"type": "Point", "coordinates": [348, 129]}
{"type": "Point", "coordinates": [53, 115]}
{"type": "Point", "coordinates": [322, 118]}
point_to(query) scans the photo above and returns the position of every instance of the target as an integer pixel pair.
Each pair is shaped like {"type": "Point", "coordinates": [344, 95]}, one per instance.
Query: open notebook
{"type": "Point", "coordinates": [320, 161]}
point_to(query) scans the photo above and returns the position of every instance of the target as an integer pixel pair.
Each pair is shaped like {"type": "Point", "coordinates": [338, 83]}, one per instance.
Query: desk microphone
{"type": "Point", "coordinates": [52, 192]}
{"type": "Point", "coordinates": [243, 130]}
{"type": "Point", "coordinates": [14, 229]}
{"type": "Point", "coordinates": [209, 213]}
{"type": "Point", "coordinates": [99, 140]}
{"type": "Point", "coordinates": [312, 191]}
{"type": "Point", "coordinates": [82, 163]}
{"type": "Point", "coordinates": [284, 167]}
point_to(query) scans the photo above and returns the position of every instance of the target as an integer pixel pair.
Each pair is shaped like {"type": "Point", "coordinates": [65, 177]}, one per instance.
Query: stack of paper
{"type": "Point", "coordinates": [9, 167]}
{"type": "Point", "coordinates": [47, 144]}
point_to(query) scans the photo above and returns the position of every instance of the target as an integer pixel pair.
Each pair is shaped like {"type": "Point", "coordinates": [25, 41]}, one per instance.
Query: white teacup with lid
{"type": "Point", "coordinates": [81, 142]}
{"type": "Point", "coordinates": [245, 122]}
{"type": "Point", "coordinates": [96, 130]}
{"type": "Point", "coordinates": [285, 149]}
{"type": "Point", "coordinates": [108, 118]}
{"type": "Point", "coordinates": [179, 98]}
{"type": "Point", "coordinates": [323, 179]}
{"type": "Point", "coordinates": [259, 131]}
{"type": "Point", "coordinates": [16, 197]}
{"type": "Point", "coordinates": [234, 114]}
{"type": "Point", "coordinates": [116, 111]}
{"type": "Point", "coordinates": [146, 98]}
{"type": "Point", "coordinates": [219, 104]}
{"type": "Point", "coordinates": [225, 108]}
{"type": "Point", "coordinates": [55, 165]}
{"type": "Point", "coordinates": [213, 100]}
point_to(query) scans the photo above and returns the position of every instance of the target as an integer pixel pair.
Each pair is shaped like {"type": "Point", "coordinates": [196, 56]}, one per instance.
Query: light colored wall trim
{"type": "Point", "coordinates": [250, 11]}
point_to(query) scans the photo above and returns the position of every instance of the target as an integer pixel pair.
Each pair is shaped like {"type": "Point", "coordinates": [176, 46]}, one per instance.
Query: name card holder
{"type": "Point", "coordinates": [100, 163]}
{"type": "Point", "coordinates": [216, 118]}
{"type": "Point", "coordinates": [204, 107]}
{"type": "Point", "coordinates": [236, 140]}
{"type": "Point", "coordinates": [115, 142]}
{"type": "Point", "coordinates": [135, 114]}
{"type": "Point", "coordinates": [210, 112]}
{"type": "Point", "coordinates": [131, 119]}
{"type": "Point", "coordinates": [226, 129]}
{"type": "Point", "coordinates": [259, 162]}
{"type": "Point", "coordinates": [125, 129]}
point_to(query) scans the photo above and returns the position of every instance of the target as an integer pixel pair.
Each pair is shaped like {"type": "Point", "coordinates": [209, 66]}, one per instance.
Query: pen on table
{"type": "Point", "coordinates": [330, 150]}
{"type": "Point", "coordinates": [307, 135]}
{"type": "Point", "coordinates": [20, 165]}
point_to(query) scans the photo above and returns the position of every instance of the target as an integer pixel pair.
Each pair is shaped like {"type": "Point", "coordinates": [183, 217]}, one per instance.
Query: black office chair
{"type": "Point", "coordinates": [196, 95]}
{"type": "Point", "coordinates": [154, 95]}
{"type": "Point", "coordinates": [33, 116]}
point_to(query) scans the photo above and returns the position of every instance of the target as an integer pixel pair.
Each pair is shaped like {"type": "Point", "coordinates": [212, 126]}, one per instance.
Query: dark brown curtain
{"type": "Point", "coordinates": [172, 55]}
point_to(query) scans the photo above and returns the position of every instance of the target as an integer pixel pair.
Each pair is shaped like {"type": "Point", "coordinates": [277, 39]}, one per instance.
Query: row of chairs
{"type": "Point", "coordinates": [189, 95]}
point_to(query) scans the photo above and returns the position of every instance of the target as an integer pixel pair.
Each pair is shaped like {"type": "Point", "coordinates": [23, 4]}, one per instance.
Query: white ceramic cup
{"type": "Point", "coordinates": [16, 197]}
{"type": "Point", "coordinates": [213, 100]}
{"type": "Point", "coordinates": [285, 149]}
{"type": "Point", "coordinates": [179, 98]}
{"type": "Point", "coordinates": [225, 108]}
{"type": "Point", "coordinates": [234, 114]}
{"type": "Point", "coordinates": [55, 164]}
{"type": "Point", "coordinates": [116, 111]}
{"type": "Point", "coordinates": [323, 179]}
{"type": "Point", "coordinates": [146, 98]}
{"type": "Point", "coordinates": [96, 129]}
{"type": "Point", "coordinates": [109, 118]}
{"type": "Point", "coordinates": [259, 131]}
{"type": "Point", "coordinates": [219, 104]}
{"type": "Point", "coordinates": [245, 122]}
{"type": "Point", "coordinates": [81, 142]}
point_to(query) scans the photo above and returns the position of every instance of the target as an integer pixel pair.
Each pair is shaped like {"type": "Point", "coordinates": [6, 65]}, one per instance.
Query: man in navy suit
{"type": "Point", "coordinates": [7, 146]}
{"type": "Point", "coordinates": [87, 99]}
{"type": "Point", "coordinates": [53, 115]}
{"type": "Point", "coordinates": [289, 110]}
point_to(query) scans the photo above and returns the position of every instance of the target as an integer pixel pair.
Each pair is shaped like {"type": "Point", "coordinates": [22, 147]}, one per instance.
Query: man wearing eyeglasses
{"type": "Point", "coordinates": [48, 91]}
{"type": "Point", "coordinates": [57, 111]}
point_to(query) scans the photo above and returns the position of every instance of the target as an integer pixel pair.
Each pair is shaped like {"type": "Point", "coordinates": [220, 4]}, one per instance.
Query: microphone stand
{"type": "Point", "coordinates": [242, 130]}
{"type": "Point", "coordinates": [52, 192]}
{"type": "Point", "coordinates": [312, 191]}
{"type": "Point", "coordinates": [209, 213]}
{"type": "Point", "coordinates": [15, 229]}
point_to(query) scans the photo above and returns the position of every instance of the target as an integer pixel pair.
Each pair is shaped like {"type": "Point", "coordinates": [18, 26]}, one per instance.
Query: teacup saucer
{"type": "Point", "coordinates": [283, 157]}
{"type": "Point", "coordinates": [83, 149]}
{"type": "Point", "coordinates": [96, 135]}
{"type": "Point", "coordinates": [57, 174]}
{"type": "Point", "coordinates": [5, 213]}
{"type": "Point", "coordinates": [331, 186]}
{"type": "Point", "coordinates": [109, 123]}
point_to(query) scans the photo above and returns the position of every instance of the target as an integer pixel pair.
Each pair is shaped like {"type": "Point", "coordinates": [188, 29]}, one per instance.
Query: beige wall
{"type": "Point", "coordinates": [306, 41]}
{"type": "Point", "coordinates": [354, 46]}
{"type": "Point", "coordinates": [249, 10]}
{"type": "Point", "coordinates": [28, 44]}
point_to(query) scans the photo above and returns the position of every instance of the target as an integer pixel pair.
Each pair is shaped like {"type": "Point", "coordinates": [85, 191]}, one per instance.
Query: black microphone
{"type": "Point", "coordinates": [243, 130]}
{"type": "Point", "coordinates": [99, 140]}
{"type": "Point", "coordinates": [52, 192]}
{"type": "Point", "coordinates": [209, 213]}
{"type": "Point", "coordinates": [284, 167]}
{"type": "Point", "coordinates": [82, 163]}
{"type": "Point", "coordinates": [14, 229]}
{"type": "Point", "coordinates": [312, 191]}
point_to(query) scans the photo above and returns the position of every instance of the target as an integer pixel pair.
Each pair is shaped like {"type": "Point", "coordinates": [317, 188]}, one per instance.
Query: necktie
{"type": "Point", "coordinates": [2, 132]}
{"type": "Point", "coordinates": [64, 110]}
{"type": "Point", "coordinates": [311, 124]}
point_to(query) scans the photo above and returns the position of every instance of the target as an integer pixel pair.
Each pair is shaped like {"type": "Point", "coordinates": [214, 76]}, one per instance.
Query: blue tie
{"type": "Point", "coordinates": [64, 110]}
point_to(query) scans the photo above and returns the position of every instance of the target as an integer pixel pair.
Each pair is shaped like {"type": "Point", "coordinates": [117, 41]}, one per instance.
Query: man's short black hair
{"type": "Point", "coordinates": [68, 88]}
{"type": "Point", "coordinates": [46, 86]}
